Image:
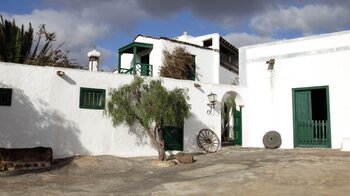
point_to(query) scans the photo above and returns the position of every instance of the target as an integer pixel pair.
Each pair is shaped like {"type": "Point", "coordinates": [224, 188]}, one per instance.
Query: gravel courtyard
{"type": "Point", "coordinates": [231, 171]}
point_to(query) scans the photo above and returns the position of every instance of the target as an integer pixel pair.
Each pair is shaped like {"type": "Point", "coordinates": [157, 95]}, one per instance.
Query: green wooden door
{"type": "Point", "coordinates": [309, 129]}
{"type": "Point", "coordinates": [173, 138]}
{"type": "Point", "coordinates": [237, 127]}
{"type": "Point", "coordinates": [303, 117]}
{"type": "Point", "coordinates": [226, 115]}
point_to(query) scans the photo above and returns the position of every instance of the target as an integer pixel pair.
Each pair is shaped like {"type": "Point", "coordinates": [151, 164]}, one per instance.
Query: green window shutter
{"type": "Point", "coordinates": [91, 98]}
{"type": "Point", "coordinates": [192, 69]}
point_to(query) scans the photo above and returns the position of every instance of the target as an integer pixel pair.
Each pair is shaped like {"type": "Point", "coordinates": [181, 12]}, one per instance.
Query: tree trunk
{"type": "Point", "coordinates": [161, 147]}
{"type": "Point", "coordinates": [158, 142]}
{"type": "Point", "coordinates": [161, 154]}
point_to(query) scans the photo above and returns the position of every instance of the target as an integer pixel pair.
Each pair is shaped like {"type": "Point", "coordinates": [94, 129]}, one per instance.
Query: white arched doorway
{"type": "Point", "coordinates": [231, 119]}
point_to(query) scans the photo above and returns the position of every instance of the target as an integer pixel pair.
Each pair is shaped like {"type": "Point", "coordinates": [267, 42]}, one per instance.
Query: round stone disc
{"type": "Point", "coordinates": [272, 140]}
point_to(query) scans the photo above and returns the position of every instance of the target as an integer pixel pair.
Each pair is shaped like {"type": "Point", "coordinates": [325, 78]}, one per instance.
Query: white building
{"type": "Point", "coordinates": [303, 95]}
{"type": "Point", "coordinates": [49, 106]}
{"type": "Point", "coordinates": [216, 60]}
{"type": "Point", "coordinates": [296, 87]}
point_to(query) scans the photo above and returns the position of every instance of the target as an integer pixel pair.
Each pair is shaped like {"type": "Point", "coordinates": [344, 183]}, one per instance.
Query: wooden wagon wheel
{"type": "Point", "coordinates": [208, 140]}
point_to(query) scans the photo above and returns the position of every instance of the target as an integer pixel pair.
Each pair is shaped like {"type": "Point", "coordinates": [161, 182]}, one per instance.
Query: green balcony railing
{"type": "Point", "coordinates": [144, 69]}
{"type": "Point", "coordinates": [125, 71]}
{"type": "Point", "coordinates": [141, 69]}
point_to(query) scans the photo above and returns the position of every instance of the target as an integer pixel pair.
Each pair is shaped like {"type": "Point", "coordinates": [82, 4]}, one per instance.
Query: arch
{"type": "Point", "coordinates": [231, 127]}
{"type": "Point", "coordinates": [237, 98]}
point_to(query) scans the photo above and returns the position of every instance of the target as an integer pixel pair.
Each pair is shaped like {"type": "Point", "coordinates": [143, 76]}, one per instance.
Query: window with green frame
{"type": "Point", "coordinates": [191, 69]}
{"type": "Point", "coordinates": [91, 98]}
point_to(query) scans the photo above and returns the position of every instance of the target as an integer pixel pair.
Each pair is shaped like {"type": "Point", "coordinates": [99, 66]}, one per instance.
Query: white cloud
{"type": "Point", "coordinates": [81, 24]}
{"type": "Point", "coordinates": [245, 39]}
{"type": "Point", "coordinates": [105, 55]}
{"type": "Point", "coordinates": [68, 27]}
{"type": "Point", "coordinates": [307, 20]}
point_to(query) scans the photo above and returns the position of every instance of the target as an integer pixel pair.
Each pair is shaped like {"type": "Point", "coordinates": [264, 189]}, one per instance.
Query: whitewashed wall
{"type": "Point", "coordinates": [126, 62]}
{"type": "Point", "coordinates": [304, 62]}
{"type": "Point", "coordinates": [227, 77]}
{"type": "Point", "coordinates": [45, 112]}
{"type": "Point", "coordinates": [199, 40]}
{"type": "Point", "coordinates": [207, 60]}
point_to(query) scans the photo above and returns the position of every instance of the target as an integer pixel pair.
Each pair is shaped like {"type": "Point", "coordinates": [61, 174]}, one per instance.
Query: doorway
{"type": "Point", "coordinates": [173, 137]}
{"type": "Point", "coordinates": [311, 117]}
{"type": "Point", "coordinates": [231, 119]}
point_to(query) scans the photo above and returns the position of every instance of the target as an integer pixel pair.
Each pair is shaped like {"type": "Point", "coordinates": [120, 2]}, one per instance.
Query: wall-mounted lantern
{"type": "Point", "coordinates": [212, 101]}
{"type": "Point", "coordinates": [271, 64]}
{"type": "Point", "coordinates": [196, 85]}
{"type": "Point", "coordinates": [60, 73]}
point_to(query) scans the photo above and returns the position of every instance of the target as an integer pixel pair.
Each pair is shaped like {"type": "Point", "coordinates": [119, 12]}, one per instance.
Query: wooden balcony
{"type": "Point", "coordinates": [141, 69]}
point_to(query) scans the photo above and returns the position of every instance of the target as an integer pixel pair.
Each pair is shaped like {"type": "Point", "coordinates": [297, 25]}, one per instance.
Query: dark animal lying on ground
{"type": "Point", "coordinates": [25, 158]}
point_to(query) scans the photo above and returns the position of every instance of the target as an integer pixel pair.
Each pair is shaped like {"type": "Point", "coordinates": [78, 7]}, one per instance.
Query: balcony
{"type": "Point", "coordinates": [136, 68]}
{"type": "Point", "coordinates": [226, 61]}
{"type": "Point", "coordinates": [141, 69]}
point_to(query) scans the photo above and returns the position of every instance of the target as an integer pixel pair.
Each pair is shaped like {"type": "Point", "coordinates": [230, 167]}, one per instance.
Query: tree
{"type": "Point", "coordinates": [16, 45]}
{"type": "Point", "coordinates": [178, 64]}
{"type": "Point", "coordinates": [47, 55]}
{"type": "Point", "coordinates": [151, 105]}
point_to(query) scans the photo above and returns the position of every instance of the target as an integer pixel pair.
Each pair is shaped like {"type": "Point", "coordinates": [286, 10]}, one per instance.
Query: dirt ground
{"type": "Point", "coordinates": [231, 171]}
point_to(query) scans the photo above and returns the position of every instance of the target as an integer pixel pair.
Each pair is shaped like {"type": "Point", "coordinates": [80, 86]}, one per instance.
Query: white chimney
{"type": "Point", "coordinates": [94, 60]}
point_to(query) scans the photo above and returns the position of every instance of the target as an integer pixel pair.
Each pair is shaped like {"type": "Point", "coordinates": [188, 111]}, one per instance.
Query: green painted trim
{"type": "Point", "coordinates": [127, 47]}
{"type": "Point", "coordinates": [294, 119]}
{"type": "Point", "coordinates": [241, 124]}
{"type": "Point", "coordinates": [146, 69]}
{"type": "Point", "coordinates": [119, 62]}
{"type": "Point", "coordinates": [329, 139]}
{"type": "Point", "coordinates": [329, 119]}
{"type": "Point", "coordinates": [100, 92]}
{"type": "Point", "coordinates": [125, 71]}
{"type": "Point", "coordinates": [192, 73]}
{"type": "Point", "coordinates": [132, 48]}
{"type": "Point", "coordinates": [237, 114]}
{"type": "Point", "coordinates": [134, 61]}
{"type": "Point", "coordinates": [310, 88]}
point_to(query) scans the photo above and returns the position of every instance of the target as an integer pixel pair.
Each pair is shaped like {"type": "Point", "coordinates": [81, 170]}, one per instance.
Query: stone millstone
{"type": "Point", "coordinates": [272, 140]}
{"type": "Point", "coordinates": [184, 157]}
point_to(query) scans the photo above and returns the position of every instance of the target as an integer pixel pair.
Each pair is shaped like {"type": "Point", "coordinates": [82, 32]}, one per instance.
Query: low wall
{"type": "Point", "coordinates": [25, 158]}
{"type": "Point", "coordinates": [45, 112]}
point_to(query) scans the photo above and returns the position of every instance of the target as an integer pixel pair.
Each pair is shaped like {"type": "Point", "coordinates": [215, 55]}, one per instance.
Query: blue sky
{"type": "Point", "coordinates": [111, 24]}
